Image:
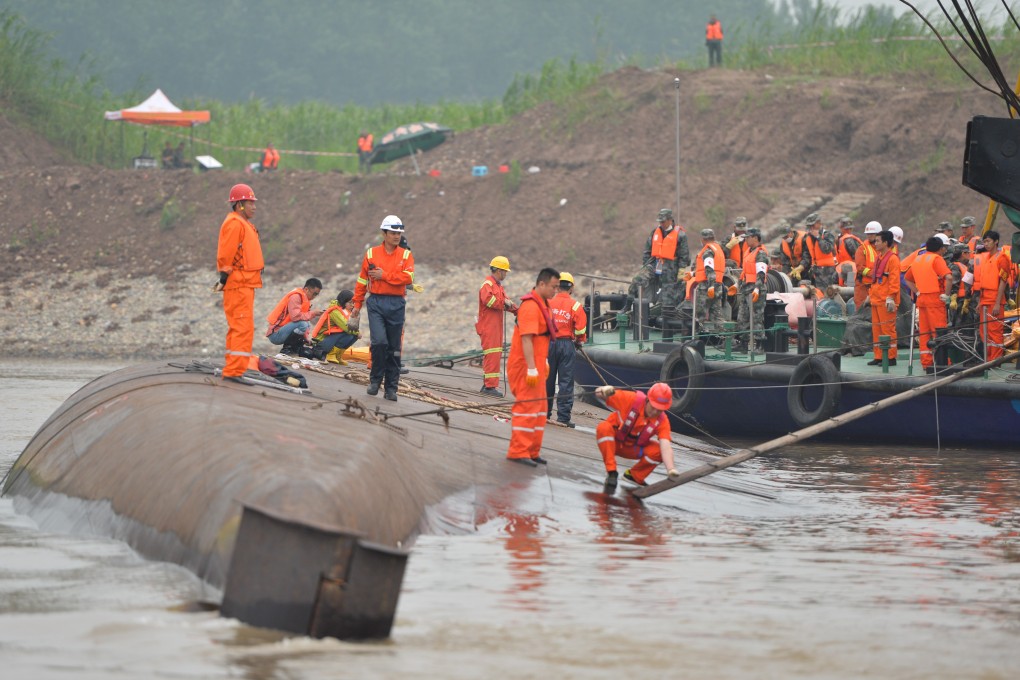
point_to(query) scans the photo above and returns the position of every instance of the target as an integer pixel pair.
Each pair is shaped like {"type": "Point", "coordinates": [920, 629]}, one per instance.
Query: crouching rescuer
{"type": "Point", "coordinates": [638, 429]}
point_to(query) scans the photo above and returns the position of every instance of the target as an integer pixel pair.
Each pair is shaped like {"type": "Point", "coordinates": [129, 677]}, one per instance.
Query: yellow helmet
{"type": "Point", "coordinates": [566, 276]}
{"type": "Point", "coordinates": [500, 262]}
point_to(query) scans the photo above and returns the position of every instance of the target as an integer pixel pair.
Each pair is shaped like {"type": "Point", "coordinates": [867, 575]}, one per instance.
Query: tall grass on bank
{"type": "Point", "coordinates": [871, 42]}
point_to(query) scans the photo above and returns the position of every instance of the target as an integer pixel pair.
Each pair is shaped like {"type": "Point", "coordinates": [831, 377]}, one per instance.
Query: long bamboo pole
{"type": "Point", "coordinates": [811, 431]}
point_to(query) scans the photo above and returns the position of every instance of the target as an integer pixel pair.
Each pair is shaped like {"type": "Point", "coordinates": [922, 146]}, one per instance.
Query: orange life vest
{"type": "Point", "coordinates": [637, 409]}
{"type": "Point", "coordinates": [364, 143]}
{"type": "Point", "coordinates": [324, 321]}
{"type": "Point", "coordinates": [988, 271]}
{"type": "Point", "coordinates": [750, 266]}
{"type": "Point", "coordinates": [270, 158]}
{"type": "Point", "coordinates": [564, 309]}
{"type": "Point", "coordinates": [664, 247]}
{"type": "Point", "coordinates": [842, 254]}
{"type": "Point", "coordinates": [925, 273]}
{"type": "Point", "coordinates": [794, 254]}
{"type": "Point", "coordinates": [962, 290]}
{"type": "Point", "coordinates": [865, 261]}
{"type": "Point", "coordinates": [713, 31]}
{"type": "Point", "coordinates": [280, 316]}
{"type": "Point", "coordinates": [737, 253]}
{"type": "Point", "coordinates": [720, 262]}
{"type": "Point", "coordinates": [818, 258]}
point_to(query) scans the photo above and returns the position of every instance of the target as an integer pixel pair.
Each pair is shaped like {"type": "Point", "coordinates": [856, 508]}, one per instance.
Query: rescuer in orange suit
{"type": "Point", "coordinates": [864, 259]}
{"type": "Point", "coordinates": [637, 429]}
{"type": "Point", "coordinates": [571, 331]}
{"type": "Point", "coordinates": [930, 279]}
{"type": "Point", "coordinates": [270, 158]}
{"type": "Point", "coordinates": [527, 369]}
{"type": "Point", "coordinates": [990, 282]}
{"type": "Point", "coordinates": [885, 296]}
{"type": "Point", "coordinates": [493, 304]}
{"type": "Point", "coordinates": [239, 263]}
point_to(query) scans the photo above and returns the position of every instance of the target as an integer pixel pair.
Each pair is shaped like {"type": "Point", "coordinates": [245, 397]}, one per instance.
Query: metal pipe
{"type": "Point", "coordinates": [676, 83]}
{"type": "Point", "coordinates": [814, 324]}
{"type": "Point", "coordinates": [694, 311]}
{"type": "Point", "coordinates": [750, 326]}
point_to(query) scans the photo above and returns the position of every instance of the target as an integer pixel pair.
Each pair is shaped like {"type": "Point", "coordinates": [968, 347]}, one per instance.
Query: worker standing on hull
{"type": "Point", "coordinates": [885, 297]}
{"type": "Point", "coordinates": [493, 304]}
{"type": "Point", "coordinates": [527, 370]}
{"type": "Point", "coordinates": [990, 282]}
{"type": "Point", "coordinates": [571, 327]}
{"type": "Point", "coordinates": [930, 279]}
{"type": "Point", "coordinates": [239, 263]}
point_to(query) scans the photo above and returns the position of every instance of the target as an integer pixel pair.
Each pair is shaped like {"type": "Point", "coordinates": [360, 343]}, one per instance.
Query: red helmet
{"type": "Point", "coordinates": [241, 192]}
{"type": "Point", "coordinates": [660, 396]}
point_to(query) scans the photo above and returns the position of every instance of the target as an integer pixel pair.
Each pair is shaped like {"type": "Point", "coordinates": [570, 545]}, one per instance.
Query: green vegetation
{"type": "Point", "coordinates": [933, 161]}
{"type": "Point", "coordinates": [512, 180]}
{"type": "Point", "coordinates": [66, 102]}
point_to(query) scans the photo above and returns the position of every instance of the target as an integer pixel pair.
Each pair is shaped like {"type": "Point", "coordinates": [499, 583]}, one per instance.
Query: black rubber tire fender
{"type": "Point", "coordinates": [814, 371]}
{"type": "Point", "coordinates": [683, 363]}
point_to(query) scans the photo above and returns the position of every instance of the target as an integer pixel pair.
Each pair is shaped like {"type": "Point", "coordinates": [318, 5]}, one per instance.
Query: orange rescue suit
{"type": "Point", "coordinates": [929, 273]}
{"type": "Point", "coordinates": [886, 285]}
{"type": "Point", "coordinates": [988, 273]}
{"type": "Point", "coordinates": [648, 456]}
{"type": "Point", "coordinates": [528, 413]}
{"type": "Point", "coordinates": [239, 255]}
{"type": "Point", "coordinates": [398, 273]}
{"type": "Point", "coordinates": [492, 305]}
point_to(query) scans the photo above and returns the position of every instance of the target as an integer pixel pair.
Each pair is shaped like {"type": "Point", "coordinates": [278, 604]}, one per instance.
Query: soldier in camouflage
{"type": "Point", "coordinates": [752, 291]}
{"type": "Point", "coordinates": [665, 259]}
{"type": "Point", "coordinates": [818, 259]}
{"type": "Point", "coordinates": [710, 292]}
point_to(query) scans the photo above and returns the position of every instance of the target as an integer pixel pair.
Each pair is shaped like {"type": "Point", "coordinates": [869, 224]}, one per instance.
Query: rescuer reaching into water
{"type": "Point", "coordinates": [637, 429]}
{"type": "Point", "coordinates": [239, 263]}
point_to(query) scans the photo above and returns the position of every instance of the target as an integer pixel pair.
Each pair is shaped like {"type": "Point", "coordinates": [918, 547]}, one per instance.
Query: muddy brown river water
{"type": "Point", "coordinates": [836, 562]}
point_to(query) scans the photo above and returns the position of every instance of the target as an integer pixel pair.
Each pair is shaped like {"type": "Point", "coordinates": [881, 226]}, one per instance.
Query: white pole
{"type": "Point", "coordinates": [676, 83]}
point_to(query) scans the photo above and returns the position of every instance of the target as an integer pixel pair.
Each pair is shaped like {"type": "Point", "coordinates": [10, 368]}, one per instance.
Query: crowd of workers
{"type": "Point", "coordinates": [953, 280]}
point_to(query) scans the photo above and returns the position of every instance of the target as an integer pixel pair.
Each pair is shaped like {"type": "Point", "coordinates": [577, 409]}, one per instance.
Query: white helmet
{"type": "Point", "coordinates": [392, 223]}
{"type": "Point", "coordinates": [873, 227]}
{"type": "Point", "coordinates": [942, 237]}
{"type": "Point", "coordinates": [897, 234]}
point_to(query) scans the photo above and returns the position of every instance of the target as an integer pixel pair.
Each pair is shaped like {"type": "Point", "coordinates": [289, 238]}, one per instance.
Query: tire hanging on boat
{"type": "Point", "coordinates": [683, 364]}
{"type": "Point", "coordinates": [819, 373]}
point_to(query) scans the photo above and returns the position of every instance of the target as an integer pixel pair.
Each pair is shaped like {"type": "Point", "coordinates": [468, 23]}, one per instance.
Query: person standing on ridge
{"type": "Point", "coordinates": [239, 263]}
{"type": "Point", "coordinates": [493, 304]}
{"type": "Point", "coordinates": [270, 158]}
{"type": "Point", "coordinates": [638, 429]}
{"type": "Point", "coordinates": [386, 272]}
{"type": "Point", "coordinates": [527, 369]}
{"type": "Point", "coordinates": [713, 41]}
{"type": "Point", "coordinates": [571, 328]}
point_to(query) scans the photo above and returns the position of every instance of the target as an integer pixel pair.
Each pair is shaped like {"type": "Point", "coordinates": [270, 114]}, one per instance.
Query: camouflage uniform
{"type": "Point", "coordinates": [656, 274]}
{"type": "Point", "coordinates": [709, 311]}
{"type": "Point", "coordinates": [757, 308]}
{"type": "Point", "coordinates": [821, 277]}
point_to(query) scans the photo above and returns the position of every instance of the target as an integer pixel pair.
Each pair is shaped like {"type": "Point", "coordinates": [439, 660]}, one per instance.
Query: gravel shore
{"type": "Point", "coordinates": [101, 314]}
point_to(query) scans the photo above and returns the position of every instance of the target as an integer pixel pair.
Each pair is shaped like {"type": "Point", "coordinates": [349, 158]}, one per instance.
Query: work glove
{"type": "Point", "coordinates": [673, 474]}
{"type": "Point", "coordinates": [944, 298]}
{"type": "Point", "coordinates": [754, 295]}
{"type": "Point", "coordinates": [531, 380]}
{"type": "Point", "coordinates": [731, 291]}
{"type": "Point", "coordinates": [605, 391]}
{"type": "Point", "coordinates": [417, 288]}
{"type": "Point", "coordinates": [953, 302]}
{"type": "Point", "coordinates": [890, 305]}
{"type": "Point", "coordinates": [711, 293]}
{"type": "Point", "coordinates": [354, 323]}
{"type": "Point", "coordinates": [684, 274]}
{"type": "Point", "coordinates": [796, 271]}
{"type": "Point", "coordinates": [221, 283]}
{"type": "Point", "coordinates": [732, 242]}
{"type": "Point", "coordinates": [965, 307]}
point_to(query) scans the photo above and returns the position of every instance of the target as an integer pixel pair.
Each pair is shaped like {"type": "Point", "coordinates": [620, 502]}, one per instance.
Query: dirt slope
{"type": "Point", "coordinates": [751, 141]}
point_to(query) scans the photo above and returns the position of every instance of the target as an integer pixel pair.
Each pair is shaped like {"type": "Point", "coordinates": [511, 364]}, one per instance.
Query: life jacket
{"type": "Point", "coordinates": [962, 290]}
{"type": "Point", "coordinates": [793, 252]}
{"type": "Point", "coordinates": [280, 316]}
{"type": "Point", "coordinates": [364, 143]}
{"type": "Point", "coordinates": [648, 431]}
{"type": "Point", "coordinates": [380, 287]}
{"type": "Point", "coordinates": [325, 321]}
{"type": "Point", "coordinates": [550, 323]}
{"type": "Point", "coordinates": [750, 266]}
{"type": "Point", "coordinates": [818, 258]}
{"type": "Point", "coordinates": [713, 31]}
{"type": "Point", "coordinates": [923, 271]}
{"type": "Point", "coordinates": [909, 259]}
{"type": "Point", "coordinates": [270, 158]}
{"type": "Point", "coordinates": [720, 262]}
{"type": "Point", "coordinates": [868, 270]}
{"type": "Point", "coordinates": [737, 253]}
{"type": "Point", "coordinates": [664, 247]}
{"type": "Point", "coordinates": [842, 254]}
{"type": "Point", "coordinates": [986, 274]}
{"type": "Point", "coordinates": [881, 264]}
{"type": "Point", "coordinates": [972, 244]}
{"type": "Point", "coordinates": [841, 275]}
